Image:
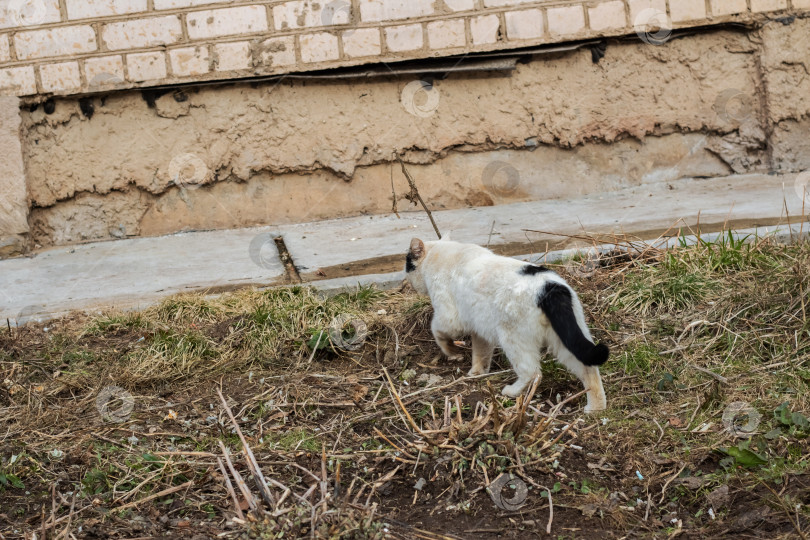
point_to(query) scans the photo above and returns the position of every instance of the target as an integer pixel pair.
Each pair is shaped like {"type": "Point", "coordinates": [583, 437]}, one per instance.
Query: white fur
{"type": "Point", "coordinates": [475, 292]}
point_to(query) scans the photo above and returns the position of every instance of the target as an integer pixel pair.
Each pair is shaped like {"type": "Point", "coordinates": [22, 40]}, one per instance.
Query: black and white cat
{"type": "Point", "coordinates": [503, 302]}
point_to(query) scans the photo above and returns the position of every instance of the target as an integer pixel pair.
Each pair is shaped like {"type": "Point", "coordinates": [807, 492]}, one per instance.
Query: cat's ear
{"type": "Point", "coordinates": [417, 248]}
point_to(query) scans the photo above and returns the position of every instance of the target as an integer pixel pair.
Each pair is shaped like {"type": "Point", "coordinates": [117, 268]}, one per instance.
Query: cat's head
{"type": "Point", "coordinates": [413, 265]}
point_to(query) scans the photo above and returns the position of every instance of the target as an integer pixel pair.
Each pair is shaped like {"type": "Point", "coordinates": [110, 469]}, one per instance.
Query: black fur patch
{"type": "Point", "coordinates": [409, 266]}
{"type": "Point", "coordinates": [557, 303]}
{"type": "Point", "coordinates": [532, 269]}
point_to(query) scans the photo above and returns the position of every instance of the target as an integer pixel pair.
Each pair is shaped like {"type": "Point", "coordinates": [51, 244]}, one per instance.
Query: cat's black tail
{"type": "Point", "coordinates": [557, 303]}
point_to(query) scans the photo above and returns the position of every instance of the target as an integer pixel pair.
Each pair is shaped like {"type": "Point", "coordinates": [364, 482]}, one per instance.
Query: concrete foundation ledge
{"type": "Point", "coordinates": [339, 254]}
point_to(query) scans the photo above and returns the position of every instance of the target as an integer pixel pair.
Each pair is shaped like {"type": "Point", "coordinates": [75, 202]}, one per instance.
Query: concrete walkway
{"type": "Point", "coordinates": [135, 273]}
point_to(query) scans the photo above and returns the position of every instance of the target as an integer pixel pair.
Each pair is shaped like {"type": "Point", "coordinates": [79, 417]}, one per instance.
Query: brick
{"type": "Point", "coordinates": [460, 5]}
{"type": "Point", "coordinates": [729, 7]}
{"type": "Point", "coordinates": [407, 37]}
{"type": "Point", "coordinates": [447, 33]}
{"type": "Point", "coordinates": [527, 24]}
{"type": "Point", "coordinates": [311, 13]}
{"type": "Point", "coordinates": [104, 71]}
{"type": "Point", "coordinates": [55, 42]}
{"type": "Point", "coordinates": [174, 4]}
{"type": "Point", "coordinates": [190, 61]}
{"type": "Point", "coordinates": [149, 66]}
{"type": "Point", "coordinates": [607, 15]}
{"type": "Point", "coordinates": [5, 52]}
{"type": "Point", "coordinates": [484, 29]}
{"type": "Point", "coordinates": [687, 10]}
{"type": "Point", "coordinates": [85, 9]}
{"type": "Point", "coordinates": [225, 22]}
{"type": "Point", "coordinates": [139, 33]}
{"type": "Point", "coordinates": [61, 77]}
{"type": "Point", "coordinates": [767, 5]}
{"type": "Point", "coordinates": [362, 42]}
{"type": "Point", "coordinates": [565, 21]}
{"type": "Point", "coordinates": [18, 81]}
{"type": "Point", "coordinates": [275, 52]}
{"type": "Point", "coordinates": [640, 7]}
{"type": "Point", "coordinates": [32, 13]}
{"type": "Point", "coordinates": [232, 56]}
{"type": "Point", "coordinates": [336, 12]}
{"type": "Point", "coordinates": [392, 10]}
{"type": "Point", "coordinates": [319, 47]}
{"type": "Point", "coordinates": [501, 3]}
{"type": "Point", "coordinates": [801, 4]}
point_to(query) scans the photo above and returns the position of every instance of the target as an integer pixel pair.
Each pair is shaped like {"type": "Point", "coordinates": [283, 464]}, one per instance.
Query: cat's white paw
{"type": "Point", "coordinates": [513, 390]}
{"type": "Point", "coordinates": [474, 372]}
{"type": "Point", "coordinates": [596, 407]}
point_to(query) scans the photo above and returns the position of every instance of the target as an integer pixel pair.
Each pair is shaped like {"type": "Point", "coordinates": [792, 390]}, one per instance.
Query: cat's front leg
{"type": "Point", "coordinates": [449, 349]}
{"type": "Point", "coordinates": [481, 355]}
{"type": "Point", "coordinates": [445, 341]}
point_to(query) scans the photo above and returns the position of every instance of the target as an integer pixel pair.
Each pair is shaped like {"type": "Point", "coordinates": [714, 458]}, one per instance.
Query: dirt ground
{"type": "Point", "coordinates": [113, 426]}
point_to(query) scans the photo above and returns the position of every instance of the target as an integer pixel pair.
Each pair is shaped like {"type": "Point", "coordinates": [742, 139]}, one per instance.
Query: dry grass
{"type": "Point", "coordinates": [349, 431]}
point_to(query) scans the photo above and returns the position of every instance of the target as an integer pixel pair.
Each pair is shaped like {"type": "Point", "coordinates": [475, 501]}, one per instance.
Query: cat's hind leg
{"type": "Point", "coordinates": [481, 355]}
{"type": "Point", "coordinates": [590, 377]}
{"type": "Point", "coordinates": [525, 360]}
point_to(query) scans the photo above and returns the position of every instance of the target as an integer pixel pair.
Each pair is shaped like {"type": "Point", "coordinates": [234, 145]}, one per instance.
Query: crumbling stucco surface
{"type": "Point", "coordinates": [13, 200]}
{"type": "Point", "coordinates": [786, 71]}
{"type": "Point", "coordinates": [293, 151]}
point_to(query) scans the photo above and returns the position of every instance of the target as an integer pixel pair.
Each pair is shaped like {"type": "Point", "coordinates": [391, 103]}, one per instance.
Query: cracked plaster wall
{"type": "Point", "coordinates": [709, 104]}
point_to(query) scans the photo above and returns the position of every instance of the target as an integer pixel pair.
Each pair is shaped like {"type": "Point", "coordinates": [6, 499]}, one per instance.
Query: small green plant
{"type": "Point", "coordinates": [8, 478]}
{"type": "Point", "coordinates": [793, 421]}
{"type": "Point", "coordinates": [293, 440]}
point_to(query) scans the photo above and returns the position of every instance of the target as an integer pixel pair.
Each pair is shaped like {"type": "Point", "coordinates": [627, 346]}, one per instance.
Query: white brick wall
{"type": "Point", "coordinates": [526, 24]}
{"type": "Point", "coordinates": [310, 13]}
{"type": "Point", "coordinates": [18, 81]}
{"type": "Point", "coordinates": [24, 14]}
{"type": "Point", "coordinates": [142, 33]}
{"type": "Point", "coordinates": [104, 71]}
{"type": "Point", "coordinates": [767, 5]}
{"type": "Point", "coordinates": [55, 42]}
{"type": "Point", "coordinates": [5, 51]}
{"type": "Point", "coordinates": [226, 22]}
{"type": "Point", "coordinates": [638, 7]}
{"type": "Point", "coordinates": [62, 77]}
{"type": "Point", "coordinates": [392, 10]}
{"type": "Point", "coordinates": [232, 56]}
{"type": "Point", "coordinates": [484, 29]}
{"type": "Point", "coordinates": [500, 3]}
{"type": "Point", "coordinates": [150, 66]}
{"type": "Point", "coordinates": [69, 46]}
{"type": "Point", "coordinates": [86, 9]}
{"type": "Point", "coordinates": [728, 7]}
{"type": "Point", "coordinates": [460, 5]}
{"type": "Point", "coordinates": [319, 47]}
{"type": "Point", "coordinates": [446, 34]}
{"type": "Point", "coordinates": [407, 37]}
{"type": "Point", "coordinates": [566, 21]}
{"type": "Point", "coordinates": [688, 10]}
{"type": "Point", "coordinates": [363, 42]}
{"type": "Point", "coordinates": [174, 4]}
{"type": "Point", "coordinates": [190, 61]}
{"type": "Point", "coordinates": [608, 16]}
{"type": "Point", "coordinates": [276, 52]}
